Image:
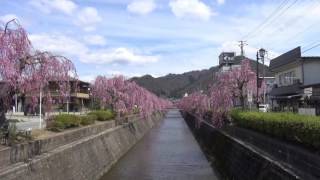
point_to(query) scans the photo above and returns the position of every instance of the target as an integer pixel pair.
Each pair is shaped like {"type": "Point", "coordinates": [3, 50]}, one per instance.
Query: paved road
{"type": "Point", "coordinates": [168, 151]}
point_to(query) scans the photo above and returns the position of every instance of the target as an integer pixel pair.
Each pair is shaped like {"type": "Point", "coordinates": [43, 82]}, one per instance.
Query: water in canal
{"type": "Point", "coordinates": [168, 151]}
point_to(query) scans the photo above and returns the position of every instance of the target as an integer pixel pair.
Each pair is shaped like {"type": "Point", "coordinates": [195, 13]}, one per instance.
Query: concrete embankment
{"type": "Point", "coordinates": [85, 153]}
{"type": "Point", "coordinates": [243, 154]}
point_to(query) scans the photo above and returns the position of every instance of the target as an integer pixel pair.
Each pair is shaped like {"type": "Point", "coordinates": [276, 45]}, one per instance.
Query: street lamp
{"type": "Point", "coordinates": [262, 52]}
{"type": "Point", "coordinates": [91, 98]}
{"type": "Point", "coordinates": [260, 55]}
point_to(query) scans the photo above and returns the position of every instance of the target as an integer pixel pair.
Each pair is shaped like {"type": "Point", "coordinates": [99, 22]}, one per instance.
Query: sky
{"type": "Point", "coordinates": [157, 37]}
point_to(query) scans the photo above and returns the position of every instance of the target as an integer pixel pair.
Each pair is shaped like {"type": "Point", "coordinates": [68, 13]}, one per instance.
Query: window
{"type": "Point", "coordinates": [287, 78]}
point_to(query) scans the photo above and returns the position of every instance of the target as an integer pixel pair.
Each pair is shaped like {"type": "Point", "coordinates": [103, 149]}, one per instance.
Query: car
{"type": "Point", "coordinates": [264, 107]}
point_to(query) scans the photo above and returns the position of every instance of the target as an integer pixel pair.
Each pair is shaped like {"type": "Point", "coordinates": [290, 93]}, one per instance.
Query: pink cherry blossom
{"type": "Point", "coordinates": [124, 97]}
{"type": "Point", "coordinates": [228, 90]}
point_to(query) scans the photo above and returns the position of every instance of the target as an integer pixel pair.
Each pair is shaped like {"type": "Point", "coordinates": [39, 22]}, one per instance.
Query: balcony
{"type": "Point", "coordinates": [293, 89]}
{"type": "Point", "coordinates": [80, 95]}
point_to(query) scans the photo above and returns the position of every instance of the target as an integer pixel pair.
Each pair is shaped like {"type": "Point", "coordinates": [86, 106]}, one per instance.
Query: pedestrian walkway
{"type": "Point", "coordinates": [168, 151]}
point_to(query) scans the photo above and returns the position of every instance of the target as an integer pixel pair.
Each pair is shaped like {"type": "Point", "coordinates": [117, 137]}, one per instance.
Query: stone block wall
{"type": "Point", "coordinates": [25, 151]}
{"type": "Point", "coordinates": [86, 158]}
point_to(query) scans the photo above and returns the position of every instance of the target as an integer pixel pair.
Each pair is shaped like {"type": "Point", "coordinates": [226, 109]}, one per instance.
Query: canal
{"type": "Point", "coordinates": [168, 151]}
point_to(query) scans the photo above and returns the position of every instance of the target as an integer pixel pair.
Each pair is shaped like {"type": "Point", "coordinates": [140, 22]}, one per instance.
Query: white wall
{"type": "Point", "coordinates": [311, 72]}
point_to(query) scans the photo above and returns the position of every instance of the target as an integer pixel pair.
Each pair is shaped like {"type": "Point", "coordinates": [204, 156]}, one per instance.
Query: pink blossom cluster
{"type": "Point", "coordinates": [126, 97]}
{"type": "Point", "coordinates": [230, 89]}
{"type": "Point", "coordinates": [28, 71]}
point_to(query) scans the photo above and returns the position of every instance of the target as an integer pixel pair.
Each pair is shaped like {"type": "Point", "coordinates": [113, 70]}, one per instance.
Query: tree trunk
{"type": "Point", "coordinates": [2, 113]}
{"type": "Point", "coordinates": [4, 94]}
{"type": "Point", "coordinates": [242, 102]}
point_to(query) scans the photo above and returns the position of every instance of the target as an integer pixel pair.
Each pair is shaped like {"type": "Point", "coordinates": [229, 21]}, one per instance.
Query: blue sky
{"type": "Point", "coordinates": [157, 37]}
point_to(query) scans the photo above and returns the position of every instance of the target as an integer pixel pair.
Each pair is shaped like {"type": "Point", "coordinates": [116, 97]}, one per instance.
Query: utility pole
{"type": "Point", "coordinates": [40, 108]}
{"type": "Point", "coordinates": [260, 55]}
{"type": "Point", "coordinates": [242, 44]}
{"type": "Point", "coordinates": [257, 96]}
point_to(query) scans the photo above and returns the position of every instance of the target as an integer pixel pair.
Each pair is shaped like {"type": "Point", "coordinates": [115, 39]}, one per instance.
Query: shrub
{"type": "Point", "coordinates": [64, 121]}
{"type": "Point", "coordinates": [57, 126]}
{"type": "Point", "coordinates": [88, 119]}
{"type": "Point", "coordinates": [68, 120]}
{"type": "Point", "coordinates": [288, 126]}
{"type": "Point", "coordinates": [103, 115]}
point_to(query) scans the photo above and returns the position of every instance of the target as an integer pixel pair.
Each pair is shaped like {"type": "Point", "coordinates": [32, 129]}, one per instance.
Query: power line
{"type": "Point", "coordinates": [282, 11]}
{"type": "Point", "coordinates": [317, 45]}
{"type": "Point", "coordinates": [274, 12]}
{"type": "Point", "coordinates": [311, 44]}
{"type": "Point", "coordinates": [295, 20]}
{"type": "Point", "coordinates": [279, 15]}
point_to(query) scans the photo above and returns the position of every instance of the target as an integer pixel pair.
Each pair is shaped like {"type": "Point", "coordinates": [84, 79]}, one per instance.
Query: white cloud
{"type": "Point", "coordinates": [47, 6]}
{"type": "Point", "coordinates": [87, 18]}
{"type": "Point", "coordinates": [220, 2]}
{"type": "Point", "coordinates": [141, 7]}
{"type": "Point", "coordinates": [58, 44]}
{"type": "Point", "coordinates": [72, 48]}
{"type": "Point", "coordinates": [191, 9]}
{"type": "Point", "coordinates": [8, 17]}
{"type": "Point", "coordinates": [87, 78]}
{"type": "Point", "coordinates": [118, 55]}
{"type": "Point", "coordinates": [95, 40]}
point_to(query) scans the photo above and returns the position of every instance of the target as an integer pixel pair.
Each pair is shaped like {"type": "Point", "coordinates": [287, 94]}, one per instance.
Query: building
{"type": "Point", "coordinates": [79, 99]}
{"type": "Point", "coordinates": [228, 60]}
{"type": "Point", "coordinates": [297, 87]}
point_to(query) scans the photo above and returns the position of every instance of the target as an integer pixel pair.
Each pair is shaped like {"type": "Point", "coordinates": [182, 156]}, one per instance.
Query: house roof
{"type": "Point", "coordinates": [286, 58]}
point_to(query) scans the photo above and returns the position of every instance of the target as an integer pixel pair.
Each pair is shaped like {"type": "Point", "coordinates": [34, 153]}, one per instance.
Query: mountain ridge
{"type": "Point", "coordinates": [176, 85]}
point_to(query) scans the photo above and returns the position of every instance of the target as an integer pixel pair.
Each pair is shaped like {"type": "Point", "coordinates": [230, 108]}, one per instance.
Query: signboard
{"type": "Point", "coordinates": [308, 91]}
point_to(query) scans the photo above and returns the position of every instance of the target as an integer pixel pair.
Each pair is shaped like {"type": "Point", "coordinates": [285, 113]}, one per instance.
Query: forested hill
{"type": "Point", "coordinates": [176, 85]}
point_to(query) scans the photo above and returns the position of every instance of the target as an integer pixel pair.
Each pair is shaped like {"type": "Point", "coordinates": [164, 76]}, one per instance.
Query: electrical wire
{"type": "Point", "coordinates": [274, 12]}
{"type": "Point", "coordinates": [277, 17]}
{"type": "Point", "coordinates": [317, 45]}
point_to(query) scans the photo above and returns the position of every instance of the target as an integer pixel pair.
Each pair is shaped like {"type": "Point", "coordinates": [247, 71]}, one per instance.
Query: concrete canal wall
{"type": "Point", "coordinates": [82, 154]}
{"type": "Point", "coordinates": [241, 154]}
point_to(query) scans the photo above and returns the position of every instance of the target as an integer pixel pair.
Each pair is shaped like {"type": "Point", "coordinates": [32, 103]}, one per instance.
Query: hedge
{"type": "Point", "coordinates": [103, 115]}
{"type": "Point", "coordinates": [88, 119]}
{"type": "Point", "coordinates": [302, 129]}
{"type": "Point", "coordinates": [65, 121]}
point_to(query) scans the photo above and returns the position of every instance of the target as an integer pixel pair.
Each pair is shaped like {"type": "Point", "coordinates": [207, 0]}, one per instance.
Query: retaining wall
{"type": "Point", "coordinates": [237, 157]}
{"type": "Point", "coordinates": [82, 155]}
